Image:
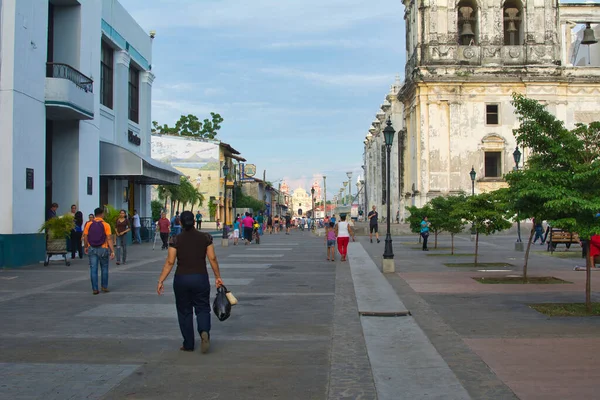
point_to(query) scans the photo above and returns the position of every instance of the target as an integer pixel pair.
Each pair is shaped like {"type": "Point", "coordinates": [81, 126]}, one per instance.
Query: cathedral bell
{"type": "Point", "coordinates": [588, 35]}
{"type": "Point", "coordinates": [467, 30]}
{"type": "Point", "coordinates": [511, 26]}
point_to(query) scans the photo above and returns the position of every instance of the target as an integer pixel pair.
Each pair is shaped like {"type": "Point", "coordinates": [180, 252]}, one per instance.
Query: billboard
{"type": "Point", "coordinates": [196, 159]}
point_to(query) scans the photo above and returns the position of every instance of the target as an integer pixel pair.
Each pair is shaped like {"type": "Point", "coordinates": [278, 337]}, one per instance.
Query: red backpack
{"type": "Point", "coordinates": [96, 234]}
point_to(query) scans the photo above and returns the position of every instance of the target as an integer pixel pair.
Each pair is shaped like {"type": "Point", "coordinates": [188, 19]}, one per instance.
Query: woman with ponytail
{"type": "Point", "coordinates": [190, 249]}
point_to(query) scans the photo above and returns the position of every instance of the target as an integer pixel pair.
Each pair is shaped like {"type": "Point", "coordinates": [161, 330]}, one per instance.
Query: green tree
{"type": "Point", "coordinates": [487, 212]}
{"type": "Point", "coordinates": [416, 215]}
{"type": "Point", "coordinates": [245, 201]}
{"type": "Point", "coordinates": [156, 209]}
{"type": "Point", "coordinates": [189, 125]}
{"type": "Point", "coordinates": [445, 215]}
{"type": "Point", "coordinates": [212, 209]}
{"type": "Point", "coordinates": [563, 172]}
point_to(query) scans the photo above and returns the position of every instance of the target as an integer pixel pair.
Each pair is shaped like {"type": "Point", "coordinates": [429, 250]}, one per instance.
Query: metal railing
{"type": "Point", "coordinates": [65, 71]}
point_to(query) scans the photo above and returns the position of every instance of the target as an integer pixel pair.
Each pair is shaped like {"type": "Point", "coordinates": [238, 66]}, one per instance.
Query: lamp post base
{"type": "Point", "coordinates": [388, 266]}
{"type": "Point", "coordinates": [519, 246]}
{"type": "Point", "coordinates": [224, 242]}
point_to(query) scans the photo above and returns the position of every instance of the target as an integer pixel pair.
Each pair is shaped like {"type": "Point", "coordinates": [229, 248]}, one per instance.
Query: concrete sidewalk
{"type": "Point", "coordinates": [494, 343]}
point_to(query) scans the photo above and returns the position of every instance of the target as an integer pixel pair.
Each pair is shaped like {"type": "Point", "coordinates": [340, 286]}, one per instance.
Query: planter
{"type": "Point", "coordinates": [56, 246]}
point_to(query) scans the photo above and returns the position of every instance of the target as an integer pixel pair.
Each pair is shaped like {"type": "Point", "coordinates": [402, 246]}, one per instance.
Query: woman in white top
{"type": "Point", "coordinates": [343, 231]}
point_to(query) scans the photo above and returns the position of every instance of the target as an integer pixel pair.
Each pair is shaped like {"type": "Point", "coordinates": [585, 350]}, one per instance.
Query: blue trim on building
{"type": "Point", "coordinates": [22, 249]}
{"type": "Point", "coordinates": [124, 44]}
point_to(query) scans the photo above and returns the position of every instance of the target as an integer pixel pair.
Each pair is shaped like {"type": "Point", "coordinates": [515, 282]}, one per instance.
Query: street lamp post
{"type": "Point", "coordinates": [312, 196]}
{"type": "Point", "coordinates": [388, 253]}
{"type": "Point", "coordinates": [225, 240]}
{"type": "Point", "coordinates": [519, 243]}
{"type": "Point", "coordinates": [346, 195]}
{"type": "Point", "coordinates": [473, 175]}
{"type": "Point", "coordinates": [325, 193]}
{"type": "Point", "coordinates": [349, 175]}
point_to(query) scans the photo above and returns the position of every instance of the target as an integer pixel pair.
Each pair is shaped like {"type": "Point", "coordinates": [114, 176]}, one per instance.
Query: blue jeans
{"type": "Point", "coordinates": [121, 248]}
{"type": "Point", "coordinates": [136, 234]}
{"type": "Point", "coordinates": [192, 293]}
{"type": "Point", "coordinates": [98, 255]}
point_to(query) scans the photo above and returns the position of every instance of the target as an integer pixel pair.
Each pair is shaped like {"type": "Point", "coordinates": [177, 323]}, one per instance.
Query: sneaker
{"type": "Point", "coordinates": [205, 344]}
{"type": "Point", "coordinates": [371, 240]}
{"type": "Point", "coordinates": [378, 240]}
{"type": "Point", "coordinates": [105, 290]}
{"type": "Point", "coordinates": [95, 292]}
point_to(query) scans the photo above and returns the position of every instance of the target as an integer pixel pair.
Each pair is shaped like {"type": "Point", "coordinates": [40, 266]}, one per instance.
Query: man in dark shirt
{"type": "Point", "coordinates": [373, 216]}
{"type": "Point", "coordinates": [51, 213]}
{"type": "Point", "coordinates": [288, 224]}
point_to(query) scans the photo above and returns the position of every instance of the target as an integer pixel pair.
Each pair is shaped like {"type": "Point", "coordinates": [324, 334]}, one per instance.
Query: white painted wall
{"type": "Point", "coordinates": [22, 110]}
{"type": "Point", "coordinates": [67, 35]}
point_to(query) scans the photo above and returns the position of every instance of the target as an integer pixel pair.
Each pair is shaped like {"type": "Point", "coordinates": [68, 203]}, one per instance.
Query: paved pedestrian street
{"type": "Point", "coordinates": [304, 328]}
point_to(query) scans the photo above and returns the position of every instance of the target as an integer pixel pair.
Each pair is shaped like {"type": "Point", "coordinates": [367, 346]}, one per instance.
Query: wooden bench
{"type": "Point", "coordinates": [558, 236]}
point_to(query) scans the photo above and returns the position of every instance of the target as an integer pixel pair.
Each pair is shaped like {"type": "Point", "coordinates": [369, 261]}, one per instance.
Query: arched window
{"type": "Point", "coordinates": [468, 24]}
{"type": "Point", "coordinates": [512, 13]}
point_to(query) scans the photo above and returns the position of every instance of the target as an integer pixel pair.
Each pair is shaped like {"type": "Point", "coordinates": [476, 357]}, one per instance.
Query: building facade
{"type": "Point", "coordinates": [465, 59]}
{"type": "Point", "coordinates": [75, 94]}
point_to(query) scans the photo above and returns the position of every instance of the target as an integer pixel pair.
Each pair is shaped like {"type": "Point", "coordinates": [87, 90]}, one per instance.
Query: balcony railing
{"type": "Point", "coordinates": [64, 71]}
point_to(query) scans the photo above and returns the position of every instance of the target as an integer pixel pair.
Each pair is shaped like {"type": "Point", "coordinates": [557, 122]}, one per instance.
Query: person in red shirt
{"type": "Point", "coordinates": [164, 227]}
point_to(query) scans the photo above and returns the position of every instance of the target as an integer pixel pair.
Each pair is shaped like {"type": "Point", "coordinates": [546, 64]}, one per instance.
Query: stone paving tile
{"type": "Point", "coordinates": [350, 371]}
{"type": "Point", "coordinates": [544, 369]}
{"type": "Point", "coordinates": [60, 381]}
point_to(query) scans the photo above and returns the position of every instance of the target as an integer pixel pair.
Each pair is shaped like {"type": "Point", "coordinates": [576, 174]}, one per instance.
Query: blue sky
{"type": "Point", "coordinates": [298, 82]}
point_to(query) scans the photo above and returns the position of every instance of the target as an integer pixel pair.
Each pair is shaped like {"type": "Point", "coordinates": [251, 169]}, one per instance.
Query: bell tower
{"type": "Point", "coordinates": [481, 33]}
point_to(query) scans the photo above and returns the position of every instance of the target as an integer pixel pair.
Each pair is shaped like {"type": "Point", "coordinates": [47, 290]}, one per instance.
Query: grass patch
{"type": "Point", "coordinates": [479, 265]}
{"type": "Point", "coordinates": [561, 254]}
{"type": "Point", "coordinates": [535, 280]}
{"type": "Point", "coordinates": [566, 309]}
{"type": "Point", "coordinates": [451, 255]}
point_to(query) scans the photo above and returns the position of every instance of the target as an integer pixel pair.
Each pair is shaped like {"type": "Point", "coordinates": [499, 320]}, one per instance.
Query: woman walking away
{"type": "Point", "coordinates": [122, 227]}
{"type": "Point", "coordinates": [343, 232]}
{"type": "Point", "coordinates": [330, 239]}
{"type": "Point", "coordinates": [191, 285]}
{"type": "Point", "coordinates": [76, 235]}
{"type": "Point", "coordinates": [236, 231]}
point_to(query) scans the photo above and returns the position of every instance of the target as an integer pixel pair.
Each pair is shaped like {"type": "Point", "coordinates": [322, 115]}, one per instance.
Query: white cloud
{"type": "Point", "coordinates": [315, 43]}
{"type": "Point", "coordinates": [329, 79]}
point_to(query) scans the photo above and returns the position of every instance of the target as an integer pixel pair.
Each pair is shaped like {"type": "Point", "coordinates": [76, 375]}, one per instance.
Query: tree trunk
{"type": "Point", "coordinates": [589, 262]}
{"type": "Point", "coordinates": [435, 244]}
{"type": "Point", "coordinates": [452, 246]}
{"type": "Point", "coordinates": [476, 246]}
{"type": "Point", "coordinates": [166, 202]}
{"type": "Point", "coordinates": [527, 253]}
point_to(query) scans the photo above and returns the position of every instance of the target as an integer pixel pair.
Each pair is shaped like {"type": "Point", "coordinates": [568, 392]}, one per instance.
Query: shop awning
{"type": "Point", "coordinates": [120, 163]}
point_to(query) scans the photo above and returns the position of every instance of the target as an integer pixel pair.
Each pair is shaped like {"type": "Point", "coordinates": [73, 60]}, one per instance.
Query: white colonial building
{"type": "Point", "coordinates": [453, 111]}
{"type": "Point", "coordinates": [75, 94]}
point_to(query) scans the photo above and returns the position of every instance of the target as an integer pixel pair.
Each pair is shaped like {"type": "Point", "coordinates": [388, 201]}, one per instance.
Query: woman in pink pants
{"type": "Point", "coordinates": [343, 231]}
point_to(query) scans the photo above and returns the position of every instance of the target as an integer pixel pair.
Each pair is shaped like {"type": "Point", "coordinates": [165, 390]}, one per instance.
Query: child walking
{"type": "Point", "coordinates": [330, 238]}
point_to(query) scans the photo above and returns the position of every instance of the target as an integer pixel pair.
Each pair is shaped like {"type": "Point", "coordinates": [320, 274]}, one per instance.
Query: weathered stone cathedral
{"type": "Point", "coordinates": [452, 112]}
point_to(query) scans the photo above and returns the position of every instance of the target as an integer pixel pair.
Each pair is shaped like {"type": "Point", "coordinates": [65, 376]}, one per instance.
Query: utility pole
{"type": "Point", "coordinates": [325, 194]}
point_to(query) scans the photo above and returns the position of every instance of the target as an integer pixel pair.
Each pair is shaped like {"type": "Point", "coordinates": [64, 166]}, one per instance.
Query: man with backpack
{"type": "Point", "coordinates": [99, 247]}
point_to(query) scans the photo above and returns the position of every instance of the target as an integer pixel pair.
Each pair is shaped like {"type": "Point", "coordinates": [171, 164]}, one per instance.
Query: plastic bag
{"type": "Point", "coordinates": [221, 305]}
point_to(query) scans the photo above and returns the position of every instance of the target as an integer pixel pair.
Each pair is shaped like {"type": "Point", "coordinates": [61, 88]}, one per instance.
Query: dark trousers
{"type": "Point", "coordinates": [165, 239]}
{"type": "Point", "coordinates": [248, 234]}
{"type": "Point", "coordinates": [76, 244]}
{"type": "Point", "coordinates": [198, 225]}
{"type": "Point", "coordinates": [192, 294]}
{"type": "Point", "coordinates": [425, 236]}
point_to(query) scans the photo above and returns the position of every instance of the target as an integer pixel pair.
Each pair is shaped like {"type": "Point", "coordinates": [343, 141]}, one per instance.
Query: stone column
{"type": "Point", "coordinates": [121, 93]}
{"type": "Point", "coordinates": [146, 80]}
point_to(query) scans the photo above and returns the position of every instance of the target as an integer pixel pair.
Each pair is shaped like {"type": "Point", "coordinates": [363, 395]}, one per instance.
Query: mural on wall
{"type": "Point", "coordinates": [196, 159]}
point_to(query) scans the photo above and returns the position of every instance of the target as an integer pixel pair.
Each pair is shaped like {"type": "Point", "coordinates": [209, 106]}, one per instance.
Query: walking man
{"type": "Point", "coordinates": [373, 226]}
{"type": "Point", "coordinates": [164, 226]}
{"type": "Point", "coordinates": [99, 248]}
{"type": "Point", "coordinates": [137, 225]}
{"type": "Point", "coordinates": [198, 220]}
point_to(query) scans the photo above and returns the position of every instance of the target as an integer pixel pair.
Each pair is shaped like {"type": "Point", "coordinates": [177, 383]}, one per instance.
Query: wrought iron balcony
{"type": "Point", "coordinates": [65, 71]}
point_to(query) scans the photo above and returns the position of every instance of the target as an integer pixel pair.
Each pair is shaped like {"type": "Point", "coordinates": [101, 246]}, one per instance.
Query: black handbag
{"type": "Point", "coordinates": [221, 305]}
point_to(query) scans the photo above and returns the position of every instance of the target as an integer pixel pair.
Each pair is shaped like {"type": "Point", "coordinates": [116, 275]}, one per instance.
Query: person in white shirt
{"type": "Point", "coordinates": [343, 231]}
{"type": "Point", "coordinates": [136, 228]}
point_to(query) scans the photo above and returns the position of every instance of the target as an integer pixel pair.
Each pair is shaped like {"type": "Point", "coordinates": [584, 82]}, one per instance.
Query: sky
{"type": "Point", "coordinates": [298, 82]}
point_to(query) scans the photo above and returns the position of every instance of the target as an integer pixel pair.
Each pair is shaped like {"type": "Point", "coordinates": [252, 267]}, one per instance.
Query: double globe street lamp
{"type": "Point", "coordinates": [388, 253]}
{"type": "Point", "coordinates": [312, 195]}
